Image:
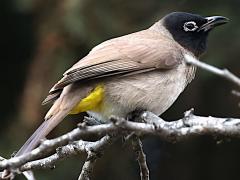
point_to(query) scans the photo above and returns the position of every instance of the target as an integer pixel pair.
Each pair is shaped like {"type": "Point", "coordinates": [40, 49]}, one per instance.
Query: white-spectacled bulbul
{"type": "Point", "coordinates": [144, 70]}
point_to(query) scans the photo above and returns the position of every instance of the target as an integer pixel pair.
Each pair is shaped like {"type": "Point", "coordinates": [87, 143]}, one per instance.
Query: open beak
{"type": "Point", "coordinates": [212, 22]}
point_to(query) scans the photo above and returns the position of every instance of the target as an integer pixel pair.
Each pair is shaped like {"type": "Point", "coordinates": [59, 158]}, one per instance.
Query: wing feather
{"type": "Point", "coordinates": [135, 53]}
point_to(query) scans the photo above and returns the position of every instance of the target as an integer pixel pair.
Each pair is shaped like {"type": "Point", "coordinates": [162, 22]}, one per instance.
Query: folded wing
{"type": "Point", "coordinates": [135, 53]}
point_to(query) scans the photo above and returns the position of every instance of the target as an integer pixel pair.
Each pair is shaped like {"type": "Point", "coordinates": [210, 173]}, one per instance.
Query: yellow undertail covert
{"type": "Point", "coordinates": [92, 102]}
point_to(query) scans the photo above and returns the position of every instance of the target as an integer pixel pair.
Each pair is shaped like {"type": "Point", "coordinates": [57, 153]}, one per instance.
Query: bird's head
{"type": "Point", "coordinates": [191, 30]}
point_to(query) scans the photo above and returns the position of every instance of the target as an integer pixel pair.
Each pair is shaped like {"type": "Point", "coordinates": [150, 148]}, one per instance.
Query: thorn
{"type": "Point", "coordinates": [13, 154]}
{"type": "Point", "coordinates": [53, 167]}
{"type": "Point", "coordinates": [59, 149]}
{"type": "Point", "coordinates": [189, 113]}
{"type": "Point", "coordinates": [129, 136]}
{"type": "Point", "coordinates": [42, 140]}
{"type": "Point", "coordinates": [82, 125]}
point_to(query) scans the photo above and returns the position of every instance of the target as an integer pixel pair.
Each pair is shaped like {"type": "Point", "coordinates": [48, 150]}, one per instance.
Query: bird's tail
{"type": "Point", "coordinates": [41, 132]}
{"type": "Point", "coordinates": [60, 109]}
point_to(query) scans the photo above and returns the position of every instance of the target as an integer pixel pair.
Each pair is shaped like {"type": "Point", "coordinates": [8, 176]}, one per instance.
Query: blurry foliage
{"type": "Point", "coordinates": [40, 39]}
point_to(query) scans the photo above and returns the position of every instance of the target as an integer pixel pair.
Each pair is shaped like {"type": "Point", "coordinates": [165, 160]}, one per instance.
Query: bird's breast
{"type": "Point", "coordinates": [154, 91]}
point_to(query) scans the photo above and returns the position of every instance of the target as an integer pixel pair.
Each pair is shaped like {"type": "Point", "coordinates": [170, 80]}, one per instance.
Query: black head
{"type": "Point", "coordinates": [191, 30]}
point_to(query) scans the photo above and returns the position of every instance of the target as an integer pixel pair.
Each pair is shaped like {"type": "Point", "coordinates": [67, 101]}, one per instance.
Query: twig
{"type": "Point", "coordinates": [94, 152]}
{"type": "Point", "coordinates": [93, 149]}
{"type": "Point", "coordinates": [87, 168]}
{"type": "Point", "coordinates": [236, 93]}
{"type": "Point", "coordinates": [50, 145]}
{"type": "Point", "coordinates": [221, 72]}
{"type": "Point", "coordinates": [49, 162]}
{"type": "Point", "coordinates": [64, 152]}
{"type": "Point", "coordinates": [141, 158]}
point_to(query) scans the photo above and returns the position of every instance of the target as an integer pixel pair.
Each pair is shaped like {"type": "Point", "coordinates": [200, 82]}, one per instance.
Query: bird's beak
{"type": "Point", "coordinates": [212, 22]}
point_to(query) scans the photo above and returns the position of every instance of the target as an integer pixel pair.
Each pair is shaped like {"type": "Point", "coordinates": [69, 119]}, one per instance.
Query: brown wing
{"type": "Point", "coordinates": [133, 53]}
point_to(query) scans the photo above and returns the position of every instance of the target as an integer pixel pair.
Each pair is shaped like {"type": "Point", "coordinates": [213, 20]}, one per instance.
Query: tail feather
{"type": "Point", "coordinates": [32, 142]}
{"type": "Point", "coordinates": [41, 132]}
{"type": "Point", "coordinates": [55, 115]}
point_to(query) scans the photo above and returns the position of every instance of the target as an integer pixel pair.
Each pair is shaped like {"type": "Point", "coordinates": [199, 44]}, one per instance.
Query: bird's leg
{"type": "Point", "coordinates": [135, 115]}
{"type": "Point", "coordinates": [91, 121]}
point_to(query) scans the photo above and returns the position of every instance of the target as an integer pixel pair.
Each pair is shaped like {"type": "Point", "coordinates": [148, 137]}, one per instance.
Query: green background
{"type": "Point", "coordinates": [40, 39]}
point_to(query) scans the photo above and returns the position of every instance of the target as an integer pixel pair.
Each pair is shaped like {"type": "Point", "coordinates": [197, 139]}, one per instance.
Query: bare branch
{"type": "Point", "coordinates": [87, 168]}
{"type": "Point", "coordinates": [49, 162]}
{"type": "Point", "coordinates": [94, 151]}
{"type": "Point", "coordinates": [190, 125]}
{"type": "Point", "coordinates": [141, 158]}
{"type": "Point", "coordinates": [220, 72]}
{"type": "Point", "coordinates": [49, 145]}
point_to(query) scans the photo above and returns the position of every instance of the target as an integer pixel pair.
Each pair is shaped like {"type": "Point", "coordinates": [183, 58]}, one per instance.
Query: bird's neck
{"type": "Point", "coordinates": [196, 47]}
{"type": "Point", "coordinates": [158, 27]}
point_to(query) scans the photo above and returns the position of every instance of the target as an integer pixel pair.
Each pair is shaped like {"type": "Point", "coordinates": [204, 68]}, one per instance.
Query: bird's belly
{"type": "Point", "coordinates": [153, 91]}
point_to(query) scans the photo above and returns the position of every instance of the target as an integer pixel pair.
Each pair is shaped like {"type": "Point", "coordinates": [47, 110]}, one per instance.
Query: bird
{"type": "Point", "coordinates": [144, 70]}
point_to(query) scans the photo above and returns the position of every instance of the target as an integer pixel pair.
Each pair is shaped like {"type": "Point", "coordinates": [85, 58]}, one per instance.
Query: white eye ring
{"type": "Point", "coordinates": [186, 24]}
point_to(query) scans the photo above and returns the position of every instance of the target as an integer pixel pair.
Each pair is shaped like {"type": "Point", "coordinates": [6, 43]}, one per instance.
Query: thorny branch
{"type": "Point", "coordinates": [93, 149]}
{"type": "Point", "coordinates": [190, 125]}
{"type": "Point", "coordinates": [94, 152]}
{"type": "Point", "coordinates": [141, 158]}
{"type": "Point", "coordinates": [66, 151]}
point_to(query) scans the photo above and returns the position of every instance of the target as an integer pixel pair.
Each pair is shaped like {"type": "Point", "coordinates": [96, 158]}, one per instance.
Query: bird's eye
{"type": "Point", "coordinates": [190, 26]}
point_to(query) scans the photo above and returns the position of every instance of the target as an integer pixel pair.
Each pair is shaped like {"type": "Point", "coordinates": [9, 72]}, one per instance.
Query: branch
{"type": "Point", "coordinates": [94, 152]}
{"type": "Point", "coordinates": [141, 158]}
{"type": "Point", "coordinates": [49, 162]}
{"type": "Point", "coordinates": [220, 72]}
{"type": "Point", "coordinates": [93, 149]}
{"type": "Point", "coordinates": [190, 125]}
{"type": "Point", "coordinates": [87, 168]}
